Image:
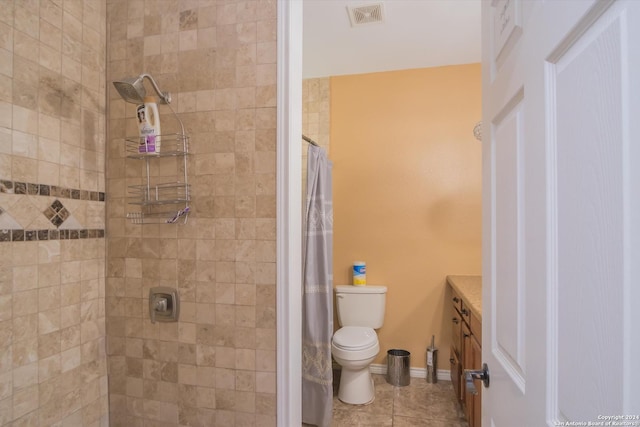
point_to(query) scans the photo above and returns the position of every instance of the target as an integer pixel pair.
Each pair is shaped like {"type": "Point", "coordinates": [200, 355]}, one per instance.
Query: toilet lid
{"type": "Point", "coordinates": [355, 338]}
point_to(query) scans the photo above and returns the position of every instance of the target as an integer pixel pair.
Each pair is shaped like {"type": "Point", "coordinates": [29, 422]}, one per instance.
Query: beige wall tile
{"type": "Point", "coordinates": [51, 19]}
{"type": "Point", "coordinates": [25, 376]}
{"type": "Point", "coordinates": [25, 303]}
{"type": "Point", "coordinates": [215, 93]}
{"type": "Point", "coordinates": [6, 64]}
{"type": "Point", "coordinates": [6, 389]}
{"type": "Point", "coordinates": [25, 401]}
{"type": "Point", "coordinates": [25, 327]}
{"type": "Point", "coordinates": [6, 91]}
{"type": "Point", "coordinates": [49, 367]}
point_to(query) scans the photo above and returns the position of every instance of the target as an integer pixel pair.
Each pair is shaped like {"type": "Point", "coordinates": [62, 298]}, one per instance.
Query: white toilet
{"type": "Point", "coordinates": [355, 344]}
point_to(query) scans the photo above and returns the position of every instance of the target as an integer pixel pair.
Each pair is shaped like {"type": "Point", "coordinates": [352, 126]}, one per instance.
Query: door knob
{"type": "Point", "coordinates": [480, 374]}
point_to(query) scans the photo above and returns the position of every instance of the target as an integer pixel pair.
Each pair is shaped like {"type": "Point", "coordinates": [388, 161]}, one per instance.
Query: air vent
{"type": "Point", "coordinates": [369, 14]}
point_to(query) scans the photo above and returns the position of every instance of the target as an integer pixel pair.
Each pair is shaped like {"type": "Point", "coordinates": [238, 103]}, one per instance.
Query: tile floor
{"type": "Point", "coordinates": [418, 404]}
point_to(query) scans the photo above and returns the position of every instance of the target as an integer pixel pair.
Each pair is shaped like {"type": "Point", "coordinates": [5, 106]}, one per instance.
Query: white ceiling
{"type": "Point", "coordinates": [414, 34]}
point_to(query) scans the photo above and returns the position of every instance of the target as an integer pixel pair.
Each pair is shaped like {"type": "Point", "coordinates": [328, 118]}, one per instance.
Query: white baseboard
{"type": "Point", "coordinates": [443, 374]}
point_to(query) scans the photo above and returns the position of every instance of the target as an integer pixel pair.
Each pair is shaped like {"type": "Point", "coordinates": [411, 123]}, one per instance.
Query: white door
{"type": "Point", "coordinates": [561, 216]}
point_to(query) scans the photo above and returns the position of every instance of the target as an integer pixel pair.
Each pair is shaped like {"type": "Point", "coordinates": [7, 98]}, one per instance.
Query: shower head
{"type": "Point", "coordinates": [132, 89]}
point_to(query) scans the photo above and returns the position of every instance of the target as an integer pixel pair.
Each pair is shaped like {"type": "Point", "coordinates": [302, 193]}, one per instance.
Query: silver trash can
{"type": "Point", "coordinates": [398, 367]}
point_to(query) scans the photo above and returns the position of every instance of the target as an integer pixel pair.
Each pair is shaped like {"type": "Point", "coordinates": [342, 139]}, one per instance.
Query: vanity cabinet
{"type": "Point", "coordinates": [465, 353]}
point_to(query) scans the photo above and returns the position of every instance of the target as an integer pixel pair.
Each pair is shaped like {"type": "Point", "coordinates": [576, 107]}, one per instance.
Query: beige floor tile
{"type": "Point", "coordinates": [418, 404]}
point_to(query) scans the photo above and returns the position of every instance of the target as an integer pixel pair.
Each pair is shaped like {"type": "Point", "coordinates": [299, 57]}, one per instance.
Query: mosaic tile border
{"type": "Point", "coordinates": [41, 235]}
{"type": "Point", "coordinates": [31, 189]}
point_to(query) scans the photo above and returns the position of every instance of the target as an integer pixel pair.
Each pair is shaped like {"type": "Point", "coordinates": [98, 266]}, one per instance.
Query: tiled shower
{"type": "Point", "coordinates": [78, 348]}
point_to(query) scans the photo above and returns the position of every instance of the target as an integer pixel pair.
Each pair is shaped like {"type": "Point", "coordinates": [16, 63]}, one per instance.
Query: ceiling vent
{"type": "Point", "coordinates": [369, 14]}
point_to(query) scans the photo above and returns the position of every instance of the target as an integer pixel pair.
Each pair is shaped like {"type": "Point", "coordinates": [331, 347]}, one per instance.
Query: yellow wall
{"type": "Point", "coordinates": [407, 193]}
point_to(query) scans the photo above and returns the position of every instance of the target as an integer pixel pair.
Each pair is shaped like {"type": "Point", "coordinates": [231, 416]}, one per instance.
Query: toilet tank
{"type": "Point", "coordinates": [361, 305]}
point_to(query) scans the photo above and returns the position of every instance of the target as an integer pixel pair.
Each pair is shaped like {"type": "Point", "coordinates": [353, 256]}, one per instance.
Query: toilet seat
{"type": "Point", "coordinates": [355, 338]}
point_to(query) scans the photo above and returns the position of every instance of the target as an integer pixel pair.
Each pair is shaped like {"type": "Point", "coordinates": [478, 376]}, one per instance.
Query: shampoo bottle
{"type": "Point", "coordinates": [149, 126]}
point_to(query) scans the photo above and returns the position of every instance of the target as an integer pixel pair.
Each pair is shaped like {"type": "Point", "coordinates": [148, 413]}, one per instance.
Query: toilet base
{"type": "Point", "coordinates": [356, 386]}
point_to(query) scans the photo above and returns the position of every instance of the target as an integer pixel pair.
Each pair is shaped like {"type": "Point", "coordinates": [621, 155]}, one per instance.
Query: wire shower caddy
{"type": "Point", "coordinates": [160, 202]}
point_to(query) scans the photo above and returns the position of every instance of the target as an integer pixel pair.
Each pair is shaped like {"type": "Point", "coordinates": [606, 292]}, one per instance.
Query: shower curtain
{"type": "Point", "coordinates": [317, 299]}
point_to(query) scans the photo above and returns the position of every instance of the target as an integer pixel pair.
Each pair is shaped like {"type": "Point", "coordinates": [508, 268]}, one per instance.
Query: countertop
{"type": "Point", "coordinates": [470, 289]}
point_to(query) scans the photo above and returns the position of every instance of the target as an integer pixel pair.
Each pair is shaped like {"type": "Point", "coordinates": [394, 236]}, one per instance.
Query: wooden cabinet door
{"type": "Point", "coordinates": [467, 363]}
{"type": "Point", "coordinates": [456, 333]}
{"type": "Point", "coordinates": [475, 420]}
{"type": "Point", "coordinates": [456, 372]}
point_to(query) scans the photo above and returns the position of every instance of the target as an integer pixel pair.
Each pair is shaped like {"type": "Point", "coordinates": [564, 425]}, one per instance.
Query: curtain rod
{"type": "Point", "coordinates": [309, 140]}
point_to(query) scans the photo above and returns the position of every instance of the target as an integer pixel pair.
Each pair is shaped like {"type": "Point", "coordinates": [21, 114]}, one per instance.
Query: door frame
{"type": "Point", "coordinates": [289, 214]}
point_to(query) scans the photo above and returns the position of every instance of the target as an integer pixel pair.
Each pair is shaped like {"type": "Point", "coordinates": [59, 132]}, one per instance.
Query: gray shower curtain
{"type": "Point", "coordinates": [317, 295]}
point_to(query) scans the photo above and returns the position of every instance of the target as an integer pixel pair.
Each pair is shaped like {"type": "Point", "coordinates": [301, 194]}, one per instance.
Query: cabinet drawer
{"type": "Point", "coordinates": [456, 300]}
{"type": "Point", "coordinates": [465, 311]}
{"type": "Point", "coordinates": [456, 333]}
{"type": "Point", "coordinates": [476, 327]}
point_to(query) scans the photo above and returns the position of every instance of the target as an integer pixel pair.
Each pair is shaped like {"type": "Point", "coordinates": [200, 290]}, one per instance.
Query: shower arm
{"type": "Point", "coordinates": [166, 97]}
